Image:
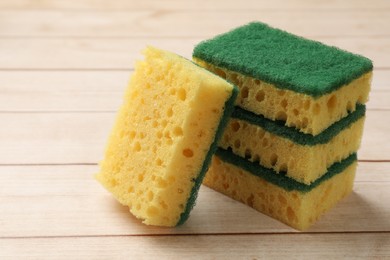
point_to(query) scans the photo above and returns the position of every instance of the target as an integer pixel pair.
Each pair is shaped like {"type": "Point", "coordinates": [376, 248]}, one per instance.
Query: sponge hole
{"type": "Point", "coordinates": [283, 167]}
{"type": "Point", "coordinates": [273, 159]}
{"type": "Point", "coordinates": [290, 214]}
{"type": "Point", "coordinates": [141, 177]}
{"type": "Point", "coordinates": [137, 147]}
{"type": "Point", "coordinates": [132, 134]}
{"type": "Point", "coordinates": [248, 153]}
{"type": "Point", "coordinates": [188, 153]}
{"type": "Point", "coordinates": [260, 96]}
{"type": "Point", "coordinates": [306, 105]}
{"type": "Point", "coordinates": [281, 115]}
{"type": "Point", "coordinates": [150, 195]}
{"type": "Point", "coordinates": [256, 158]}
{"type": "Point", "coordinates": [234, 79]}
{"type": "Point", "coordinates": [163, 205]}
{"type": "Point", "coordinates": [159, 162]}
{"type": "Point", "coordinates": [244, 92]}
{"type": "Point", "coordinates": [220, 73]}
{"type": "Point", "coordinates": [178, 131]}
{"type": "Point", "coordinates": [235, 126]}
{"type": "Point", "coordinates": [332, 102]}
{"type": "Point", "coordinates": [152, 211]}
{"type": "Point", "coordinates": [182, 94]}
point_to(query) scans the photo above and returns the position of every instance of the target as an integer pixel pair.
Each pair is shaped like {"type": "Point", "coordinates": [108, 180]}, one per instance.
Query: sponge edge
{"type": "Point", "coordinates": [160, 147]}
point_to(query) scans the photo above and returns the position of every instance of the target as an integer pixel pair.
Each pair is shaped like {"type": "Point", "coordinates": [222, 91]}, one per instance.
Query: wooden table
{"type": "Point", "coordinates": [63, 68]}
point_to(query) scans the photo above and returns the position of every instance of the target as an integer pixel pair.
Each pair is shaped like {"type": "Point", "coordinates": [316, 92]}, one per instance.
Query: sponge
{"type": "Point", "coordinates": [293, 203]}
{"type": "Point", "coordinates": [166, 131]}
{"type": "Point", "coordinates": [304, 83]}
{"type": "Point", "coordinates": [300, 156]}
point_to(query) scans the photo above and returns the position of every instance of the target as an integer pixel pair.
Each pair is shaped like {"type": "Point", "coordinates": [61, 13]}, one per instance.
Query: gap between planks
{"type": "Point", "coordinates": [204, 234]}
{"type": "Point", "coordinates": [113, 54]}
{"type": "Point", "coordinates": [188, 23]}
{"type": "Point", "coordinates": [92, 164]}
{"type": "Point", "coordinates": [101, 5]}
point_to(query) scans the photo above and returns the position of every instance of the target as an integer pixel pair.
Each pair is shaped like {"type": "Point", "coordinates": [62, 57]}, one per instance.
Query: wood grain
{"type": "Point", "coordinates": [64, 66]}
{"type": "Point", "coordinates": [121, 53]}
{"type": "Point", "coordinates": [41, 138]}
{"type": "Point", "coordinates": [296, 246]}
{"type": "Point", "coordinates": [215, 5]}
{"type": "Point", "coordinates": [94, 91]}
{"type": "Point", "coordinates": [188, 23]}
{"type": "Point", "coordinates": [67, 201]}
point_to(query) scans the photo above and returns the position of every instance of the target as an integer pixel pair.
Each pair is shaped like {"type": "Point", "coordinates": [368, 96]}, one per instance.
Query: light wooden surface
{"type": "Point", "coordinates": [63, 68]}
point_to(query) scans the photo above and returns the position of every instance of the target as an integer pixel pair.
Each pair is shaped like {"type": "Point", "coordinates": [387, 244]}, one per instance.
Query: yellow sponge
{"type": "Point", "coordinates": [294, 207]}
{"type": "Point", "coordinates": [309, 114]}
{"type": "Point", "coordinates": [301, 161]}
{"type": "Point", "coordinates": [165, 133]}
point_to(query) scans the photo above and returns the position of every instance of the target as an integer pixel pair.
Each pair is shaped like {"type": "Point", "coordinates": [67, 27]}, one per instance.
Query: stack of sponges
{"type": "Point", "coordinates": [289, 150]}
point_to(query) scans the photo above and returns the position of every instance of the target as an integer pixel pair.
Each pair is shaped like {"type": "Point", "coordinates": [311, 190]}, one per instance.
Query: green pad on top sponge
{"type": "Point", "coordinates": [283, 59]}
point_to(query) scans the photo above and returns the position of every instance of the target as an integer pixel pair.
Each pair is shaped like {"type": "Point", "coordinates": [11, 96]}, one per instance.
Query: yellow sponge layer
{"type": "Point", "coordinates": [304, 163]}
{"type": "Point", "coordinates": [163, 132]}
{"type": "Point", "coordinates": [304, 112]}
{"type": "Point", "coordinates": [296, 209]}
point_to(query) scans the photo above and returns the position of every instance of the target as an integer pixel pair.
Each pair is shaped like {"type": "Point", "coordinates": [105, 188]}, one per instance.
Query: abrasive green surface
{"type": "Point", "coordinates": [278, 127]}
{"type": "Point", "coordinates": [283, 59]}
{"type": "Point", "coordinates": [281, 179]}
{"type": "Point", "coordinates": [228, 110]}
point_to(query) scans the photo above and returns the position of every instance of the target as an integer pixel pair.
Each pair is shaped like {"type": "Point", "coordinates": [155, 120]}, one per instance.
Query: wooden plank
{"type": "Point", "coordinates": [381, 80]}
{"type": "Point", "coordinates": [80, 137]}
{"type": "Point", "coordinates": [53, 138]}
{"type": "Point", "coordinates": [195, 5]}
{"type": "Point", "coordinates": [188, 23]}
{"type": "Point", "coordinates": [67, 201]}
{"type": "Point", "coordinates": [102, 90]}
{"type": "Point", "coordinates": [62, 90]}
{"type": "Point", "coordinates": [74, 53]}
{"type": "Point", "coordinates": [121, 53]}
{"type": "Point", "coordinates": [300, 246]}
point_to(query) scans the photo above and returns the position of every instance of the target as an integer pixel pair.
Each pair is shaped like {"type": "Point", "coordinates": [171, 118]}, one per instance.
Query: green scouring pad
{"type": "Point", "coordinates": [283, 59]}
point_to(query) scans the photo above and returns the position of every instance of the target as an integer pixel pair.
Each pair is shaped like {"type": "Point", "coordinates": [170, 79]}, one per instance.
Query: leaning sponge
{"type": "Point", "coordinates": [165, 134]}
{"type": "Point", "coordinates": [304, 83]}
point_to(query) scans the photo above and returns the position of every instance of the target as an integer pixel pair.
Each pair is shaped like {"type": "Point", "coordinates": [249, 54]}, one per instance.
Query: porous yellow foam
{"type": "Point", "coordinates": [163, 131]}
{"type": "Point", "coordinates": [304, 163]}
{"type": "Point", "coordinates": [296, 209]}
{"type": "Point", "coordinates": [304, 112]}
